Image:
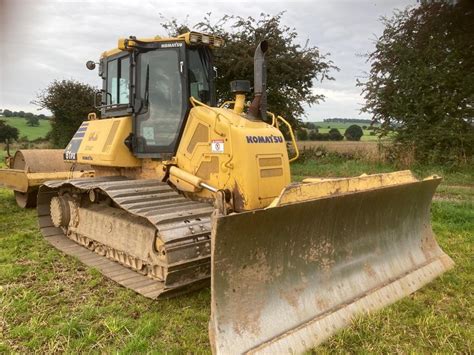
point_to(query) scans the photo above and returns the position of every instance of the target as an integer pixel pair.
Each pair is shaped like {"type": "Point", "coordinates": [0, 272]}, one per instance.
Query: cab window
{"type": "Point", "coordinates": [118, 80]}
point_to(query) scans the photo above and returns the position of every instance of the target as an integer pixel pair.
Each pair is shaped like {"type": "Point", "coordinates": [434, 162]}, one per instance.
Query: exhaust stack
{"type": "Point", "coordinates": [258, 107]}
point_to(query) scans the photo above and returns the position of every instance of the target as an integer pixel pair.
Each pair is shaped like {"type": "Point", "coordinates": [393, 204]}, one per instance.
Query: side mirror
{"type": "Point", "coordinates": [90, 65]}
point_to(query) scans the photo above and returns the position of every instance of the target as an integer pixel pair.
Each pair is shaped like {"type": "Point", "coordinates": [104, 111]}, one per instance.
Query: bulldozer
{"type": "Point", "coordinates": [187, 193]}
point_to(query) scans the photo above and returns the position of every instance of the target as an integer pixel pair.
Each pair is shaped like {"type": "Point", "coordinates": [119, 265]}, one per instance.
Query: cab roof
{"type": "Point", "coordinates": [190, 38]}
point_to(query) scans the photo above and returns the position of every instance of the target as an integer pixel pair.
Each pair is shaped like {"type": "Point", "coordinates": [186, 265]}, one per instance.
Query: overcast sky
{"type": "Point", "coordinates": [43, 40]}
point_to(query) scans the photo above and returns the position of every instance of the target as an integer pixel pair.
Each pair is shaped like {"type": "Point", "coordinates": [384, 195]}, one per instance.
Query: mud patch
{"type": "Point", "coordinates": [321, 253]}
{"type": "Point", "coordinates": [292, 295]}
{"type": "Point", "coordinates": [369, 270]}
{"type": "Point", "coordinates": [428, 244]}
{"type": "Point", "coordinates": [249, 294]}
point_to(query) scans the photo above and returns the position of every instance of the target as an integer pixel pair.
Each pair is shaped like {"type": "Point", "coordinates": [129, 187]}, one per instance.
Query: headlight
{"type": "Point", "coordinates": [194, 38]}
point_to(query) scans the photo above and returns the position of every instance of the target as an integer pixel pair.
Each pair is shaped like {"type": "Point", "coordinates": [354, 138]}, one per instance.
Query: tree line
{"type": "Point", "coordinates": [311, 132]}
{"type": "Point", "coordinates": [31, 119]}
{"type": "Point", "coordinates": [348, 120]}
{"type": "Point", "coordinates": [420, 88]}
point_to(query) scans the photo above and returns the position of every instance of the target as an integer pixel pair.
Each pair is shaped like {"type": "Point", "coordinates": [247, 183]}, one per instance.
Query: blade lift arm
{"type": "Point", "coordinates": [188, 182]}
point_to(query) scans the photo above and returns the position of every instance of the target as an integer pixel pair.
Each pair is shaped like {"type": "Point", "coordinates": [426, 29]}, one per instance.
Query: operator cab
{"type": "Point", "coordinates": [152, 81]}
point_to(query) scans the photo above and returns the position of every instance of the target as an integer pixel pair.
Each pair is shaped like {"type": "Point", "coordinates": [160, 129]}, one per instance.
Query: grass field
{"type": "Point", "coordinates": [52, 303]}
{"type": "Point", "coordinates": [342, 126]}
{"type": "Point", "coordinates": [30, 132]}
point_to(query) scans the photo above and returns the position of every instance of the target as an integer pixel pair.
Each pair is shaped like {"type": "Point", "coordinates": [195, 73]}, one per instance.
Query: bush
{"type": "Point", "coordinates": [310, 125]}
{"type": "Point", "coordinates": [302, 134]}
{"type": "Point", "coordinates": [31, 120]}
{"type": "Point", "coordinates": [70, 102]}
{"type": "Point", "coordinates": [425, 49]}
{"type": "Point", "coordinates": [320, 137]}
{"type": "Point", "coordinates": [313, 153]}
{"type": "Point", "coordinates": [7, 135]}
{"type": "Point", "coordinates": [335, 135]}
{"type": "Point", "coordinates": [313, 135]}
{"type": "Point", "coordinates": [353, 133]}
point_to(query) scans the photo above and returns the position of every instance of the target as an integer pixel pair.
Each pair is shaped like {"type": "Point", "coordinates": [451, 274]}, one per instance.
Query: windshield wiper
{"type": "Point", "coordinates": [147, 86]}
{"type": "Point", "coordinates": [146, 99]}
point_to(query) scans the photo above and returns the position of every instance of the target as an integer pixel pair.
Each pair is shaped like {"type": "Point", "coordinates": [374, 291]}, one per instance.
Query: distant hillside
{"type": "Point", "coordinates": [31, 133]}
{"type": "Point", "coordinates": [348, 120]}
{"type": "Point", "coordinates": [324, 127]}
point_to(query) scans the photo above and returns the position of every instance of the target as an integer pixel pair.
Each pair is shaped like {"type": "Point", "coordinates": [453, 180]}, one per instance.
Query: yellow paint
{"type": "Point", "coordinates": [314, 188]}
{"type": "Point", "coordinates": [239, 167]}
{"type": "Point", "coordinates": [239, 103]}
{"type": "Point", "coordinates": [127, 44]}
{"type": "Point", "coordinates": [19, 180]}
{"type": "Point", "coordinates": [103, 145]}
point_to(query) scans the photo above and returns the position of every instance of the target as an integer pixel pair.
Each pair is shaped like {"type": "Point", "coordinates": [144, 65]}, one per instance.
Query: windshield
{"type": "Point", "coordinates": [161, 87]}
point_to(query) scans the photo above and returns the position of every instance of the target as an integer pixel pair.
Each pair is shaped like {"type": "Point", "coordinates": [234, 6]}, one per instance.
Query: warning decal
{"type": "Point", "coordinates": [217, 146]}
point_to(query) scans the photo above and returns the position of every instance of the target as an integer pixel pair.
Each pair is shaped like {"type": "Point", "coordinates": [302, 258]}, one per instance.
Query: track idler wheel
{"type": "Point", "coordinates": [60, 211]}
{"type": "Point", "coordinates": [26, 199]}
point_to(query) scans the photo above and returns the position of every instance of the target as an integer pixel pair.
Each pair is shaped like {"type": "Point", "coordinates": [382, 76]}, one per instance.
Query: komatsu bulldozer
{"type": "Point", "coordinates": [187, 193]}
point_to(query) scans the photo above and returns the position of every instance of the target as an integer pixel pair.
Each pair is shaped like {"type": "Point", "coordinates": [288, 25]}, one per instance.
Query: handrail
{"type": "Point", "coordinates": [227, 103]}
{"type": "Point", "coordinates": [293, 140]}
{"type": "Point", "coordinates": [195, 102]}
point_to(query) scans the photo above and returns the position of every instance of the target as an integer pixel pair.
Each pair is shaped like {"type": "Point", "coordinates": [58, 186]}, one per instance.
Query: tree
{"type": "Point", "coordinates": [310, 125]}
{"type": "Point", "coordinates": [313, 135]}
{"type": "Point", "coordinates": [7, 134]}
{"type": "Point", "coordinates": [32, 120]}
{"type": "Point", "coordinates": [335, 135]}
{"type": "Point", "coordinates": [353, 133]}
{"type": "Point", "coordinates": [421, 82]}
{"type": "Point", "coordinates": [70, 102]}
{"type": "Point", "coordinates": [302, 134]}
{"type": "Point", "coordinates": [7, 113]}
{"type": "Point", "coordinates": [291, 68]}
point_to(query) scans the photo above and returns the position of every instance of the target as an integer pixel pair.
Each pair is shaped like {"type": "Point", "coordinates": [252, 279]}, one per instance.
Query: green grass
{"type": "Point", "coordinates": [50, 302]}
{"type": "Point", "coordinates": [31, 133]}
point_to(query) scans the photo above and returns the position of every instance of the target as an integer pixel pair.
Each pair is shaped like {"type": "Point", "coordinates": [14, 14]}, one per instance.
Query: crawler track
{"type": "Point", "coordinates": [171, 255]}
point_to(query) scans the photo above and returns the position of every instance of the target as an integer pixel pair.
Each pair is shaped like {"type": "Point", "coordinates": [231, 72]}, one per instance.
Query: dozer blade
{"type": "Point", "coordinates": [287, 277]}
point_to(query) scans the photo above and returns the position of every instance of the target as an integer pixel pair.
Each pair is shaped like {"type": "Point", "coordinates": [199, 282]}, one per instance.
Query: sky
{"type": "Point", "coordinates": [43, 40]}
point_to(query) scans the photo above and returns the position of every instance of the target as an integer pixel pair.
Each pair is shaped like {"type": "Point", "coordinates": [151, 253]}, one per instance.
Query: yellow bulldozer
{"type": "Point", "coordinates": [187, 193]}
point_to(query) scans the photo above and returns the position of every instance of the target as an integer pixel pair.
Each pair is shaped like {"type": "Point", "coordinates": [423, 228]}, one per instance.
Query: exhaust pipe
{"type": "Point", "coordinates": [258, 107]}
